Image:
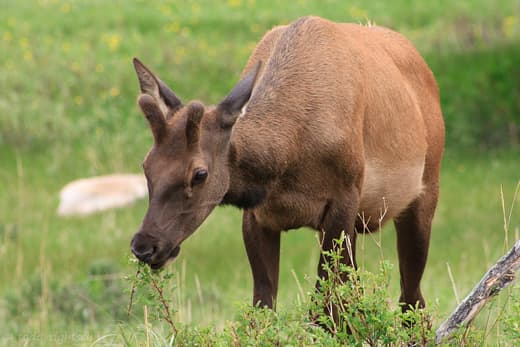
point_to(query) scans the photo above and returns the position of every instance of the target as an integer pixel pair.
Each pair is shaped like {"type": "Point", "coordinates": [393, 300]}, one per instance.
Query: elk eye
{"type": "Point", "coordinates": [199, 176]}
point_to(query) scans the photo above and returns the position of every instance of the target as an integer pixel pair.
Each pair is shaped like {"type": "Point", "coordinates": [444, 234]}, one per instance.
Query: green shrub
{"type": "Point", "coordinates": [365, 316]}
{"type": "Point", "coordinates": [512, 320]}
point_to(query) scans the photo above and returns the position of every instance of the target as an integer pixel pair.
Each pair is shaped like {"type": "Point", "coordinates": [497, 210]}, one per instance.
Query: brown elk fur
{"type": "Point", "coordinates": [333, 126]}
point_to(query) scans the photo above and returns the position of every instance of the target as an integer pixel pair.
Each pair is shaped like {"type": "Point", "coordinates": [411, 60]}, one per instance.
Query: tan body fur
{"type": "Point", "coordinates": [365, 119]}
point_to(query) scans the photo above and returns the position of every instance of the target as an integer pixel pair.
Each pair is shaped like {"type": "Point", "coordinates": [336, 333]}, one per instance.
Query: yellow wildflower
{"type": "Point", "coordinates": [113, 41]}
{"type": "Point", "coordinates": [27, 56]}
{"type": "Point", "coordinates": [203, 45]}
{"type": "Point", "coordinates": [75, 67]}
{"type": "Point", "coordinates": [78, 100]}
{"type": "Point", "coordinates": [508, 25]}
{"type": "Point", "coordinates": [181, 52]}
{"type": "Point", "coordinates": [357, 12]}
{"type": "Point", "coordinates": [24, 43]}
{"type": "Point", "coordinates": [114, 91]}
{"type": "Point", "coordinates": [234, 3]}
{"type": "Point", "coordinates": [65, 7]}
{"type": "Point", "coordinates": [164, 9]}
{"type": "Point", "coordinates": [11, 22]}
{"type": "Point", "coordinates": [7, 36]}
{"type": "Point", "coordinates": [172, 27]}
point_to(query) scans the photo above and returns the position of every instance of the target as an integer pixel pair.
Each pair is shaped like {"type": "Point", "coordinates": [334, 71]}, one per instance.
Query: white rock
{"type": "Point", "coordinates": [89, 195]}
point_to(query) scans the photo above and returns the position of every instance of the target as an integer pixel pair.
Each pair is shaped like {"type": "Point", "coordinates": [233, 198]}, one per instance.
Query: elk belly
{"type": "Point", "coordinates": [388, 190]}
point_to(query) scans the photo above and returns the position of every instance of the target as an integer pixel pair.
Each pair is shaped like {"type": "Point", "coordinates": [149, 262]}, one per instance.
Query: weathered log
{"type": "Point", "coordinates": [497, 278]}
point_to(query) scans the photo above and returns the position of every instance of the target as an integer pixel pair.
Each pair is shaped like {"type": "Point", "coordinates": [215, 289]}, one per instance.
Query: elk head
{"type": "Point", "coordinates": [186, 168]}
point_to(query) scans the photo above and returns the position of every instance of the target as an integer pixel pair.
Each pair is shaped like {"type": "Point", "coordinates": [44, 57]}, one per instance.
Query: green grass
{"type": "Point", "coordinates": [67, 110]}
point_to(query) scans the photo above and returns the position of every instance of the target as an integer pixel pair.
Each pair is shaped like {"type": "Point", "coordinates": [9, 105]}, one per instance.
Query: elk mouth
{"type": "Point", "coordinates": [170, 256]}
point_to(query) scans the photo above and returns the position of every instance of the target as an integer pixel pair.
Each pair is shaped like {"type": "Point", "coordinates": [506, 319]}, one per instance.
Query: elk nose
{"type": "Point", "coordinates": [141, 248]}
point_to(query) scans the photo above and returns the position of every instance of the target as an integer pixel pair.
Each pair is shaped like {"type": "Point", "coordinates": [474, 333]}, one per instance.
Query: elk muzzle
{"type": "Point", "coordinates": [152, 251]}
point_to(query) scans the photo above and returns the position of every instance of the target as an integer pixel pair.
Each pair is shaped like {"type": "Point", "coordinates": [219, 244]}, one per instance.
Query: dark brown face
{"type": "Point", "coordinates": [186, 169]}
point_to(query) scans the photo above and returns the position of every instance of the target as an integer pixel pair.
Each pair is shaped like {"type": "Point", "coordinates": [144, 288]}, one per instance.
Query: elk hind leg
{"type": "Point", "coordinates": [413, 237]}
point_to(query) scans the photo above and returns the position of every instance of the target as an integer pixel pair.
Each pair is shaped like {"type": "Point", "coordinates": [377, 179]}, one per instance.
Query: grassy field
{"type": "Point", "coordinates": [67, 110]}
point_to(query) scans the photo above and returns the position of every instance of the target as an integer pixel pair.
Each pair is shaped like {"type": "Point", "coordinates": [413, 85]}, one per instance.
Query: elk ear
{"type": "Point", "coordinates": [195, 114]}
{"type": "Point", "coordinates": [154, 116]}
{"type": "Point", "coordinates": [229, 108]}
{"type": "Point", "coordinates": [165, 98]}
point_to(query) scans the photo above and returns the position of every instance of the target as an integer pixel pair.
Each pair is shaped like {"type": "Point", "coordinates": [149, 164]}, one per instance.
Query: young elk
{"type": "Point", "coordinates": [333, 126]}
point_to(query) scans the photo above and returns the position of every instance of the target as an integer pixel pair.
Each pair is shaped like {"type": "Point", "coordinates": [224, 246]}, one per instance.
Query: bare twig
{"type": "Point", "coordinates": [497, 278]}
{"type": "Point", "coordinates": [132, 292]}
{"type": "Point", "coordinates": [167, 315]}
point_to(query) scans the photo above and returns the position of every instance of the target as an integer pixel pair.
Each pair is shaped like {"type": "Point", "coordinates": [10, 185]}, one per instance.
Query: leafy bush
{"type": "Point", "coordinates": [512, 321]}
{"type": "Point", "coordinates": [365, 316]}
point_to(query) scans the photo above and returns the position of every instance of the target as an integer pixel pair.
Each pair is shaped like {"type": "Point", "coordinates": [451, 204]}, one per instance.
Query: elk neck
{"type": "Point", "coordinates": [249, 177]}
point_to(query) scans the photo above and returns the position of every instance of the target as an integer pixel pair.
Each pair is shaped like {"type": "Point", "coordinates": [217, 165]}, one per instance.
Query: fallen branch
{"type": "Point", "coordinates": [496, 279]}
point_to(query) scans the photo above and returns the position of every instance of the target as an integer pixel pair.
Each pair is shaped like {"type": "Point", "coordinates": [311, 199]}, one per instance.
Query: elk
{"type": "Point", "coordinates": [332, 126]}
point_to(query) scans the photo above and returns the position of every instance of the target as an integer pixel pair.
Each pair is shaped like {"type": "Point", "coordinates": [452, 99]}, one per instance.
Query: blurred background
{"type": "Point", "coordinates": [68, 110]}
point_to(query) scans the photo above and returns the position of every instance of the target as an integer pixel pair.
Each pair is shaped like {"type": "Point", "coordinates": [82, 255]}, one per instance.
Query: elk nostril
{"type": "Point", "coordinates": [143, 255]}
{"type": "Point", "coordinates": [142, 250]}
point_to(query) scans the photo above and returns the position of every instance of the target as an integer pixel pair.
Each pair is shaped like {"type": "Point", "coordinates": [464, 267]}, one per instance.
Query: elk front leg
{"type": "Point", "coordinates": [263, 250]}
{"type": "Point", "coordinates": [338, 218]}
